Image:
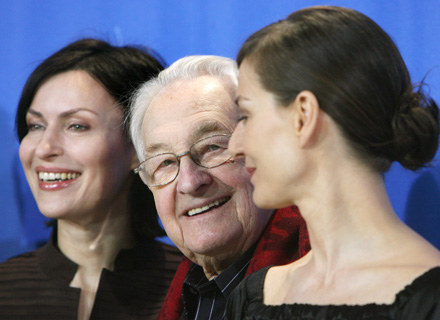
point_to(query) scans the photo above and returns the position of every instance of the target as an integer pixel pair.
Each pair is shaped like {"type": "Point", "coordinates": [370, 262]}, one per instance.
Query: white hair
{"type": "Point", "coordinates": [187, 68]}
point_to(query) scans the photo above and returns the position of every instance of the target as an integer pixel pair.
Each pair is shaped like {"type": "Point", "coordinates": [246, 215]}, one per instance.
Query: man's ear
{"type": "Point", "coordinates": [306, 112]}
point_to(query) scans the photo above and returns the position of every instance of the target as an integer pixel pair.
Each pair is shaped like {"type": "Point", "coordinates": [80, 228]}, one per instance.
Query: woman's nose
{"type": "Point", "coordinates": [236, 142]}
{"type": "Point", "coordinates": [50, 144]}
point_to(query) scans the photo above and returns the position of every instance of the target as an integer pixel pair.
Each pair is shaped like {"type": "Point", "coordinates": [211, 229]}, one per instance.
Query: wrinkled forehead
{"type": "Point", "coordinates": [186, 111]}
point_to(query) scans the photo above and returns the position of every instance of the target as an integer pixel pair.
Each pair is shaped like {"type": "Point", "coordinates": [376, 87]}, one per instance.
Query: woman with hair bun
{"type": "Point", "coordinates": [326, 106]}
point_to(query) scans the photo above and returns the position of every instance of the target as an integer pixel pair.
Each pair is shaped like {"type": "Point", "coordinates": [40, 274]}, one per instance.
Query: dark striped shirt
{"type": "Point", "coordinates": [206, 300]}
{"type": "Point", "coordinates": [35, 285]}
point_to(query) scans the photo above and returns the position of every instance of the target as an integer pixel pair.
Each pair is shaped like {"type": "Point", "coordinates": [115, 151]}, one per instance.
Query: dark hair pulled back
{"type": "Point", "coordinates": [359, 78]}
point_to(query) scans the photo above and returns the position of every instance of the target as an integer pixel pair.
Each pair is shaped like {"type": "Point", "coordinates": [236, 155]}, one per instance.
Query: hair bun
{"type": "Point", "coordinates": [416, 130]}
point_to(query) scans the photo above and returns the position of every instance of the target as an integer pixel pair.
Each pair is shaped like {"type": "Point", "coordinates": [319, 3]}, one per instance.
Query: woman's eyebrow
{"type": "Point", "coordinates": [68, 113]}
{"type": "Point", "coordinates": [34, 113]}
{"type": "Point", "coordinates": [65, 114]}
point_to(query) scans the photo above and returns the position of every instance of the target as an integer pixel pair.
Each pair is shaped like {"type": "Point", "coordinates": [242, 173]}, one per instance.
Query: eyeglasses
{"type": "Point", "coordinates": [162, 169]}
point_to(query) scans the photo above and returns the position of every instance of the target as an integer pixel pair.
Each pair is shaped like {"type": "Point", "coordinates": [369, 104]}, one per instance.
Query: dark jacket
{"type": "Point", "coordinates": [35, 285]}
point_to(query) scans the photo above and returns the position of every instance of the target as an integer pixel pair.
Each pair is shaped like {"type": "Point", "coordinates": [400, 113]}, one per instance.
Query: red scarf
{"type": "Point", "coordinates": [284, 240]}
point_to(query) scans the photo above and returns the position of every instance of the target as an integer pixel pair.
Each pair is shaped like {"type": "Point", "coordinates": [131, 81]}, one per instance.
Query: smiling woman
{"type": "Point", "coordinates": [75, 133]}
{"type": "Point", "coordinates": [102, 261]}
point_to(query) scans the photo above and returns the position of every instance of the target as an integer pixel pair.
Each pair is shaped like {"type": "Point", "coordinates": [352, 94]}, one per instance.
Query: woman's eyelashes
{"type": "Point", "coordinates": [78, 127]}
{"type": "Point", "coordinates": [243, 114]}
{"type": "Point", "coordinates": [242, 119]}
{"type": "Point", "coordinates": [34, 126]}
{"type": "Point", "coordinates": [73, 126]}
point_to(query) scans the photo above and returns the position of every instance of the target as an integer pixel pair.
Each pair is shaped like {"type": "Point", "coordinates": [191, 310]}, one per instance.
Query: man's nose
{"type": "Point", "coordinates": [192, 178]}
{"type": "Point", "coordinates": [50, 144]}
{"type": "Point", "coordinates": [235, 145]}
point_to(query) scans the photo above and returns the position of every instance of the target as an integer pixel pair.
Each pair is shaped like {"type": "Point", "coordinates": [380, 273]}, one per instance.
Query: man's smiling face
{"type": "Point", "coordinates": [207, 213]}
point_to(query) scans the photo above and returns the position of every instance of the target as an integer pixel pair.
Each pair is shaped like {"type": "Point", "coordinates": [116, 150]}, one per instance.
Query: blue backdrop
{"type": "Point", "coordinates": [31, 30]}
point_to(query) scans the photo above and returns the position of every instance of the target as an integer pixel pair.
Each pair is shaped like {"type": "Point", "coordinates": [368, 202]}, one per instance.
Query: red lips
{"type": "Point", "coordinates": [52, 186]}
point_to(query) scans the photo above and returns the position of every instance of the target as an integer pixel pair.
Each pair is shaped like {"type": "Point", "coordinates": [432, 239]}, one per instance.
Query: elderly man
{"type": "Point", "coordinates": [181, 124]}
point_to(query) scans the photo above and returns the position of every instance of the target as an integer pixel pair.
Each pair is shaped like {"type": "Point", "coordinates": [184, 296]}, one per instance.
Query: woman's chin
{"type": "Point", "coordinates": [266, 198]}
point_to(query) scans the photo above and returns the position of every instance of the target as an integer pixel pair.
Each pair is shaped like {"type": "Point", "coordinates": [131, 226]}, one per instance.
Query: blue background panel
{"type": "Point", "coordinates": [31, 30]}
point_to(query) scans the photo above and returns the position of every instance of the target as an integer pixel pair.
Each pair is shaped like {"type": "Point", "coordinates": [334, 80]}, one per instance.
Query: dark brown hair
{"type": "Point", "coordinates": [120, 70]}
{"type": "Point", "coordinates": [358, 76]}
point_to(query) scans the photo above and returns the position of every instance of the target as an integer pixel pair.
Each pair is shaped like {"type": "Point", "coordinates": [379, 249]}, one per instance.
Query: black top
{"type": "Point", "coordinates": [419, 300]}
{"type": "Point", "coordinates": [206, 300]}
{"type": "Point", "coordinates": [35, 285]}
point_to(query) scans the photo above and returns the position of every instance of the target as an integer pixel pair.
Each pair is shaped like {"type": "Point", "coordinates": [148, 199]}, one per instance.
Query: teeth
{"type": "Point", "coordinates": [54, 177]}
{"type": "Point", "coordinates": [216, 203]}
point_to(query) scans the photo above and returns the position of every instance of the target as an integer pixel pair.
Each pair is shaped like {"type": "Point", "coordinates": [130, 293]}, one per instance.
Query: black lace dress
{"type": "Point", "coordinates": [419, 300]}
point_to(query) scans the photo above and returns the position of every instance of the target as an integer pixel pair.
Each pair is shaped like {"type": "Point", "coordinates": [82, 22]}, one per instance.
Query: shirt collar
{"type": "Point", "coordinates": [226, 281]}
{"type": "Point", "coordinates": [56, 265]}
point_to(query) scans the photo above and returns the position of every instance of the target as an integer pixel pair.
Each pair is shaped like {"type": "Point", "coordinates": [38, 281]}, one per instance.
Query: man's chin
{"type": "Point", "coordinates": [214, 257]}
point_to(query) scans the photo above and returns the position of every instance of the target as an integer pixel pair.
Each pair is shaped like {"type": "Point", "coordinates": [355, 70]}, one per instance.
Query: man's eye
{"type": "Point", "coordinates": [213, 147]}
{"type": "Point", "coordinates": [166, 163]}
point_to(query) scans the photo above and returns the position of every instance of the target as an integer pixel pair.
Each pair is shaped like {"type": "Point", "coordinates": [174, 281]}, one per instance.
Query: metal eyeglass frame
{"type": "Point", "coordinates": [138, 169]}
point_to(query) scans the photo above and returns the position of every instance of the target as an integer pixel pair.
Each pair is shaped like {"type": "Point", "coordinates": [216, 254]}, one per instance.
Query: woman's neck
{"type": "Point", "coordinates": [348, 215]}
{"type": "Point", "coordinates": [95, 245]}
